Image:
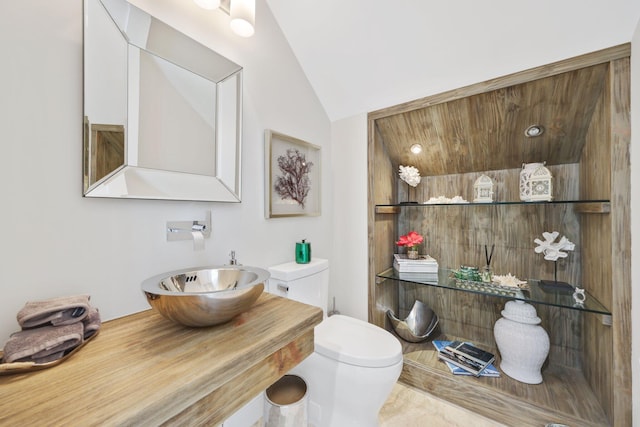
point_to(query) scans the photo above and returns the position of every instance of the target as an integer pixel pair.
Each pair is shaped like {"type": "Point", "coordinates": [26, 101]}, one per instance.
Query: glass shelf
{"type": "Point", "coordinates": [534, 293]}
{"type": "Point", "coordinates": [586, 206]}
{"type": "Point", "coordinates": [519, 202]}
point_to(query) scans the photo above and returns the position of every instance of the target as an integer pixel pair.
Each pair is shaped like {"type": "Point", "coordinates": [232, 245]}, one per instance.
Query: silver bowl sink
{"type": "Point", "coordinates": [205, 296]}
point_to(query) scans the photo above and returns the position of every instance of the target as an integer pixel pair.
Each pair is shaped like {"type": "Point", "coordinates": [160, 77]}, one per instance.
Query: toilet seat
{"type": "Point", "coordinates": [356, 342]}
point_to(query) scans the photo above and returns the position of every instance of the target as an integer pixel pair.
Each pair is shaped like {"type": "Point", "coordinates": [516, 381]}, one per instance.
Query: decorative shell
{"type": "Point", "coordinates": [508, 280]}
{"type": "Point", "coordinates": [442, 200]}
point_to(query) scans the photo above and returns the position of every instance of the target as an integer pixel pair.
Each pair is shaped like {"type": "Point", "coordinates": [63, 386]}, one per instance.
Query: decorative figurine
{"type": "Point", "coordinates": [483, 190]}
{"type": "Point", "coordinates": [553, 250]}
{"type": "Point", "coordinates": [536, 183]}
{"type": "Point", "coordinates": [579, 297]}
{"type": "Point", "coordinates": [411, 176]}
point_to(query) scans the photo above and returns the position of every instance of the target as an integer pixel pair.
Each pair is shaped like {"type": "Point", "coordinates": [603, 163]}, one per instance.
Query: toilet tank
{"type": "Point", "coordinates": [307, 283]}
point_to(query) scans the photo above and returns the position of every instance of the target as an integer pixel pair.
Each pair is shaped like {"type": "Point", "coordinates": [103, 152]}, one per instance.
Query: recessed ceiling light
{"type": "Point", "coordinates": [416, 148]}
{"type": "Point", "coordinates": [533, 131]}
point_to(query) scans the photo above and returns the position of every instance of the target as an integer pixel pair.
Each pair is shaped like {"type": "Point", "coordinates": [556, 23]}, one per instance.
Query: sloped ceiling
{"type": "Point", "coordinates": [364, 55]}
{"type": "Point", "coordinates": [486, 131]}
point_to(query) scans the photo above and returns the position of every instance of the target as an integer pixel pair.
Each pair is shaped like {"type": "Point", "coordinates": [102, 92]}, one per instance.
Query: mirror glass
{"type": "Point", "coordinates": [162, 112]}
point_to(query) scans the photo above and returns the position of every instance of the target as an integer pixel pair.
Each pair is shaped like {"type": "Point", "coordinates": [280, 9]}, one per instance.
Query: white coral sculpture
{"type": "Point", "coordinates": [553, 250]}
{"type": "Point", "coordinates": [410, 175]}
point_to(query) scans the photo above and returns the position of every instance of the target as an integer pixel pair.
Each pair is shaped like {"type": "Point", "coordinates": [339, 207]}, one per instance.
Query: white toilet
{"type": "Point", "coordinates": [355, 364]}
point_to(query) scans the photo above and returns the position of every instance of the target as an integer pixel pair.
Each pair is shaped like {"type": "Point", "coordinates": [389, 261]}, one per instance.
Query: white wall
{"type": "Point", "coordinates": [54, 242]}
{"type": "Point", "coordinates": [349, 271]}
{"type": "Point", "coordinates": [635, 222]}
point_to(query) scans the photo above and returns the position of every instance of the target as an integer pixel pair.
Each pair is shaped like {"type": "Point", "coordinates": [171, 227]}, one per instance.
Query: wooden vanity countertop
{"type": "Point", "coordinates": [145, 370]}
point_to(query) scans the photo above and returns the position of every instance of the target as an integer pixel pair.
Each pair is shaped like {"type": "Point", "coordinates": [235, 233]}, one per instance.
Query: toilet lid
{"type": "Point", "coordinates": [356, 342]}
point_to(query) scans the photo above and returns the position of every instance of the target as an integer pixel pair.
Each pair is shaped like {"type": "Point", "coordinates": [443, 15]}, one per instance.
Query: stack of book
{"type": "Point", "coordinates": [463, 358]}
{"type": "Point", "coordinates": [423, 269]}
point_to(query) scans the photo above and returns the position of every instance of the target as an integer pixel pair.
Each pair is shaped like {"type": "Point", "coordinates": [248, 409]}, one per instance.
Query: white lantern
{"type": "Point", "coordinates": [536, 183]}
{"type": "Point", "coordinates": [483, 190]}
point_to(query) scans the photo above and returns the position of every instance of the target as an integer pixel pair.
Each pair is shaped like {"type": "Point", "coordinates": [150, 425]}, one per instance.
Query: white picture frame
{"type": "Point", "coordinates": [292, 181]}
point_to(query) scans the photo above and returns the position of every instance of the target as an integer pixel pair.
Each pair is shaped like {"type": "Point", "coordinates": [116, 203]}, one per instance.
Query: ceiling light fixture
{"type": "Point", "coordinates": [243, 17]}
{"type": "Point", "coordinates": [208, 4]}
{"type": "Point", "coordinates": [416, 148]}
{"type": "Point", "coordinates": [533, 131]}
{"type": "Point", "coordinates": [242, 12]}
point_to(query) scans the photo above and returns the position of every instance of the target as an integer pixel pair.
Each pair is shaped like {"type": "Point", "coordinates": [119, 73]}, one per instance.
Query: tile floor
{"type": "Point", "coordinates": [410, 407]}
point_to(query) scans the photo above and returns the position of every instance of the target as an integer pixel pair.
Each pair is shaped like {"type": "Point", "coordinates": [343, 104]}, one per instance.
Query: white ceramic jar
{"type": "Point", "coordinates": [522, 342]}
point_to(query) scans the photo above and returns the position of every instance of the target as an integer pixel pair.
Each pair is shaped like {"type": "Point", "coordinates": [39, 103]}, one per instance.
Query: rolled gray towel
{"type": "Point", "coordinates": [41, 345]}
{"type": "Point", "coordinates": [91, 323]}
{"type": "Point", "coordinates": [54, 311]}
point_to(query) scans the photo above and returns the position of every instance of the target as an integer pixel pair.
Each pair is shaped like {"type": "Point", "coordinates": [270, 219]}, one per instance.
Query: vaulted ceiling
{"type": "Point", "coordinates": [363, 55]}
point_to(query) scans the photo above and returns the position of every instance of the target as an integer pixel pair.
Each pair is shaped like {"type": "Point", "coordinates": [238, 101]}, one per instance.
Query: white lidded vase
{"type": "Point", "coordinates": [522, 342]}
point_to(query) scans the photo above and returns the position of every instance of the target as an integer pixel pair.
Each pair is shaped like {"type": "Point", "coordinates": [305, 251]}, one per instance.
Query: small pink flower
{"type": "Point", "coordinates": [410, 240]}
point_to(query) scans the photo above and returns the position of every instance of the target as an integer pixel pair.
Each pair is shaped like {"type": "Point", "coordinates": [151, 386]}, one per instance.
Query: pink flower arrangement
{"type": "Point", "coordinates": [410, 240]}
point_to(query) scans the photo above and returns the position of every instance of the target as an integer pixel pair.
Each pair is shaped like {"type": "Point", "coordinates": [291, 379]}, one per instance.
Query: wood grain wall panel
{"type": "Point", "coordinates": [620, 135]}
{"type": "Point", "coordinates": [506, 400]}
{"type": "Point", "coordinates": [382, 228]}
{"type": "Point", "coordinates": [486, 131]}
{"type": "Point", "coordinates": [595, 176]}
{"type": "Point", "coordinates": [598, 360]}
{"type": "Point", "coordinates": [506, 185]}
{"type": "Point", "coordinates": [584, 105]}
{"type": "Point", "coordinates": [595, 169]}
{"type": "Point", "coordinates": [456, 235]}
{"type": "Point", "coordinates": [386, 293]}
{"type": "Point", "coordinates": [565, 335]}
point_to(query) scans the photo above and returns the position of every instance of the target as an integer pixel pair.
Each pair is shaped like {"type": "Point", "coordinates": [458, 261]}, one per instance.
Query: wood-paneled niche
{"type": "Point", "coordinates": [583, 103]}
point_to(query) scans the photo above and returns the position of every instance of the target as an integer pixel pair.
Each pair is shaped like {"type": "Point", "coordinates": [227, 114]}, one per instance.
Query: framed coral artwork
{"type": "Point", "coordinates": [292, 176]}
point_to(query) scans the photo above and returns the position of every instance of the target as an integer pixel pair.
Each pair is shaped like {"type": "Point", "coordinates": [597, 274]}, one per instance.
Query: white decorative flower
{"type": "Point", "coordinates": [553, 250]}
{"type": "Point", "coordinates": [410, 175]}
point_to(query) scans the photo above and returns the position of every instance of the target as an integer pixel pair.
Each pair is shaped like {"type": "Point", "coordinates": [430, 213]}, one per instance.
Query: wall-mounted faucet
{"type": "Point", "coordinates": [190, 230]}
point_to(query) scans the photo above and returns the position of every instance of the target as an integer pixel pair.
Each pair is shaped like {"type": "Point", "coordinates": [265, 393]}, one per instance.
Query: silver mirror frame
{"type": "Point", "coordinates": [132, 181]}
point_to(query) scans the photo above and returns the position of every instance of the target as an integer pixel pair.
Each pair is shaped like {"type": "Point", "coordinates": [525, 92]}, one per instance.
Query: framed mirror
{"type": "Point", "coordinates": [162, 112]}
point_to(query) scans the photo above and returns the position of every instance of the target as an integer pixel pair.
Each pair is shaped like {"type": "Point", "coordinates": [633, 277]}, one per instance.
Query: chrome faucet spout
{"type": "Point", "coordinates": [183, 230]}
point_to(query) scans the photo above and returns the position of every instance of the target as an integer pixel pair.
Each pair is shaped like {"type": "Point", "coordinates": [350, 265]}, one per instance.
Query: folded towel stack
{"type": "Point", "coordinates": [51, 329]}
